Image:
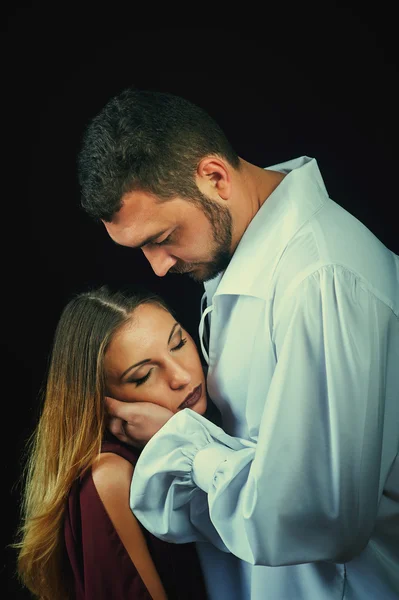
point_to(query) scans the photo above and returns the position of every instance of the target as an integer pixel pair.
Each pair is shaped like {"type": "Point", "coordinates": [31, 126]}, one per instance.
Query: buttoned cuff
{"type": "Point", "coordinates": [206, 462]}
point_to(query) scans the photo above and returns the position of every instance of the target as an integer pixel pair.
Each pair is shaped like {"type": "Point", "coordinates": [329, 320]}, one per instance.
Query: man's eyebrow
{"type": "Point", "coordinates": [147, 240]}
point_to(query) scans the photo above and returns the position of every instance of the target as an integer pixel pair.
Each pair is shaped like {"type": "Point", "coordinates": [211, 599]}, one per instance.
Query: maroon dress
{"type": "Point", "coordinates": [102, 568]}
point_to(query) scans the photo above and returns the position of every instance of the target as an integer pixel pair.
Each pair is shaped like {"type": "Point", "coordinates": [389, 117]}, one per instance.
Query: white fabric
{"type": "Point", "coordinates": [303, 487]}
{"type": "Point", "coordinates": [207, 462]}
{"type": "Point", "coordinates": [202, 332]}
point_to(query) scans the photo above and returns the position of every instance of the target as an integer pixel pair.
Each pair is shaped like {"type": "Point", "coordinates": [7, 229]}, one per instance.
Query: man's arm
{"type": "Point", "coordinates": [309, 490]}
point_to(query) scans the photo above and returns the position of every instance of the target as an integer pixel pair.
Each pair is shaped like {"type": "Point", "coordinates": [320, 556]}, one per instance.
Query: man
{"type": "Point", "coordinates": [298, 496]}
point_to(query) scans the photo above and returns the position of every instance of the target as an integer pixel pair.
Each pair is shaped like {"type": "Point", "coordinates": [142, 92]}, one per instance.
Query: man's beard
{"type": "Point", "coordinates": [221, 222]}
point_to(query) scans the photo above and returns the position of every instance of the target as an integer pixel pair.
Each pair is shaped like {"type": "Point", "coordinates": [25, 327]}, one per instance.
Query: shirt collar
{"type": "Point", "coordinates": [299, 195]}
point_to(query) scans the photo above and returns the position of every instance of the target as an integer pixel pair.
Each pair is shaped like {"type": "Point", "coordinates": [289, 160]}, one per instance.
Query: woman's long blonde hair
{"type": "Point", "coordinates": [68, 435]}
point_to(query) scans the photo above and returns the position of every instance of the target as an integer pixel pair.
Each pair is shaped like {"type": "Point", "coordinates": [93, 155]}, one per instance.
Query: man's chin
{"type": "Point", "coordinates": [202, 272]}
{"type": "Point", "coordinates": [201, 275]}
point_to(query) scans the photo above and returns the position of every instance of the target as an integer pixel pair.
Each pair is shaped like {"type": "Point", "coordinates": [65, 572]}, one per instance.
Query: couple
{"type": "Point", "coordinates": [296, 495]}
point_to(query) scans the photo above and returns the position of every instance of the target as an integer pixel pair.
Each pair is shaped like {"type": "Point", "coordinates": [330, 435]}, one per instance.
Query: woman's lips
{"type": "Point", "coordinates": [192, 398]}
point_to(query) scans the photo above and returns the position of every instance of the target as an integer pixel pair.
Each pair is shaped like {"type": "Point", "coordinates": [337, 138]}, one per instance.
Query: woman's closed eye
{"type": "Point", "coordinates": [141, 380]}
{"type": "Point", "coordinates": [179, 345]}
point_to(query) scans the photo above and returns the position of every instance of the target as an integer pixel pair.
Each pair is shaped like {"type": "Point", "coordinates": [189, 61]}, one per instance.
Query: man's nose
{"type": "Point", "coordinates": [160, 260]}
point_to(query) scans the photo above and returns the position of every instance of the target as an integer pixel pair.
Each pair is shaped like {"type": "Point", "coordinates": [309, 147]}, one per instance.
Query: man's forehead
{"type": "Point", "coordinates": [136, 206]}
{"type": "Point", "coordinates": [142, 199]}
{"type": "Point", "coordinates": [138, 218]}
{"type": "Point", "coordinates": [136, 231]}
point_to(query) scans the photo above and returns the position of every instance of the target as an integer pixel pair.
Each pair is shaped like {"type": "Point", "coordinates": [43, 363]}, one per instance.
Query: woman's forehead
{"type": "Point", "coordinates": [148, 316]}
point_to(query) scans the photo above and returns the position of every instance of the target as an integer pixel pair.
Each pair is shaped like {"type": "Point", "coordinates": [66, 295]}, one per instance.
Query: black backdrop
{"type": "Point", "coordinates": [327, 91]}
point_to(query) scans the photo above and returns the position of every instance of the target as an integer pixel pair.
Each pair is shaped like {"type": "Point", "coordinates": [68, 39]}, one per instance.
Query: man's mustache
{"type": "Point", "coordinates": [181, 268]}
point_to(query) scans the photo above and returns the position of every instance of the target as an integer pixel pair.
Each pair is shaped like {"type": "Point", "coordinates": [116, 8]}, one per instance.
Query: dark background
{"type": "Point", "coordinates": [323, 86]}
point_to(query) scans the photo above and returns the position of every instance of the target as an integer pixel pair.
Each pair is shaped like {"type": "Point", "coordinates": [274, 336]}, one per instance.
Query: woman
{"type": "Point", "coordinates": [79, 538]}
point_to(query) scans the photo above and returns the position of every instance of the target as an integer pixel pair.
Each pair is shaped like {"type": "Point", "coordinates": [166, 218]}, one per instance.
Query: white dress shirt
{"type": "Point", "coordinates": [297, 498]}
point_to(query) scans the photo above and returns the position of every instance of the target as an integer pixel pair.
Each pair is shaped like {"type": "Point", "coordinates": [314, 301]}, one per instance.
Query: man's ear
{"type": "Point", "coordinates": [214, 177]}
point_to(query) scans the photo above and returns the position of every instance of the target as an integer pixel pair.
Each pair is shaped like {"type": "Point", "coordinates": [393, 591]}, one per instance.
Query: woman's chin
{"type": "Point", "coordinates": [200, 407]}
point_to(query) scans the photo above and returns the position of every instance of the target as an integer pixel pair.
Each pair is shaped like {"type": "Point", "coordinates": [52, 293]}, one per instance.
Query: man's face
{"type": "Point", "coordinates": [176, 235]}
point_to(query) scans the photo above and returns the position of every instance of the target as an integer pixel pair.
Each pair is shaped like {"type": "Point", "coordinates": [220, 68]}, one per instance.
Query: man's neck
{"type": "Point", "coordinates": [261, 183]}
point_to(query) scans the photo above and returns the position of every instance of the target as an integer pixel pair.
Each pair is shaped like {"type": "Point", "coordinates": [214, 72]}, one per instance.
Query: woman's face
{"type": "Point", "coordinates": [153, 359]}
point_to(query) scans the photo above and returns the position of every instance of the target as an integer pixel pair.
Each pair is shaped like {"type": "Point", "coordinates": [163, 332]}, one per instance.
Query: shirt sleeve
{"type": "Point", "coordinates": [308, 490]}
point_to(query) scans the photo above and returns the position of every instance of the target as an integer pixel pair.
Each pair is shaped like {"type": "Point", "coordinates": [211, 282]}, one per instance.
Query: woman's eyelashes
{"type": "Point", "coordinates": [142, 380]}
{"type": "Point", "coordinates": [179, 345]}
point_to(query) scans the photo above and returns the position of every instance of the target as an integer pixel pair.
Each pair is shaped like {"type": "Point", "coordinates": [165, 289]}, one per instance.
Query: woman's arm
{"type": "Point", "coordinates": [112, 476]}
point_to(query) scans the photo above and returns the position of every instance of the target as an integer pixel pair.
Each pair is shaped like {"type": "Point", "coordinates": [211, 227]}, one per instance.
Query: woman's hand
{"type": "Point", "coordinates": [135, 423]}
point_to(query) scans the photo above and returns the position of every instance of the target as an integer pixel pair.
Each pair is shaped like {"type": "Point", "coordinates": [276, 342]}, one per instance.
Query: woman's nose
{"type": "Point", "coordinates": [179, 377]}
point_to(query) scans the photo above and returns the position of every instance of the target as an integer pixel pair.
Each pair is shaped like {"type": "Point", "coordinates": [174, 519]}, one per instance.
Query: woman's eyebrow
{"type": "Point", "coordinates": [173, 330]}
{"type": "Point", "coordinates": [142, 362]}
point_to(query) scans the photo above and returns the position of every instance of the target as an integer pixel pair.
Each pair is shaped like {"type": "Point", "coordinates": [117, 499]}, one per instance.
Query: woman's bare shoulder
{"type": "Point", "coordinates": [112, 475]}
